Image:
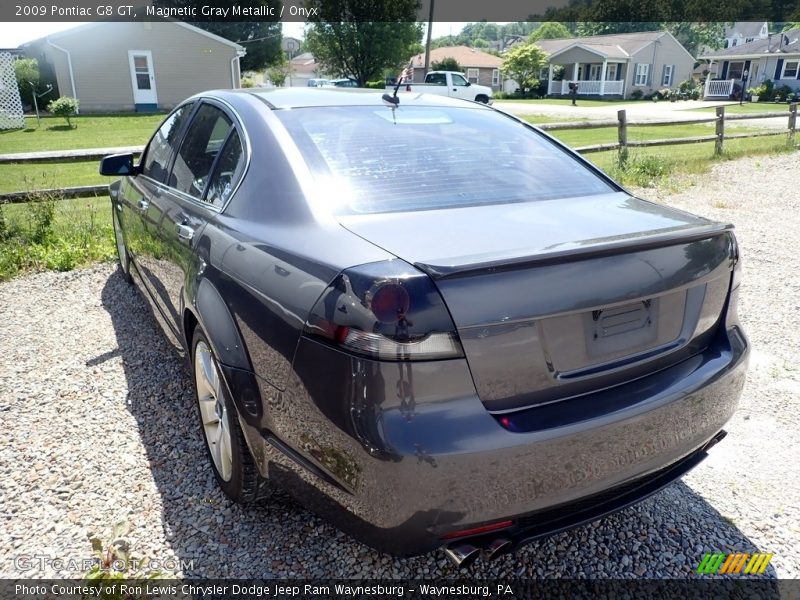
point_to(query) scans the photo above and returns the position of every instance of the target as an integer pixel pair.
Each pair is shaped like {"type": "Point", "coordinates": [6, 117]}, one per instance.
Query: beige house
{"type": "Point", "coordinates": [616, 65]}
{"type": "Point", "coordinates": [146, 66]}
{"type": "Point", "coordinates": [479, 67]}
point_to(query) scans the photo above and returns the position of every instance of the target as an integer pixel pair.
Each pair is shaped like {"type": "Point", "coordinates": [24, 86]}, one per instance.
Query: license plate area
{"type": "Point", "coordinates": [587, 342]}
{"type": "Point", "coordinates": [609, 331]}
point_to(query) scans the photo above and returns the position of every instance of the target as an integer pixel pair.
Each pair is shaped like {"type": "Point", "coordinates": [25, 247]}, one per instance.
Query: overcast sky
{"type": "Point", "coordinates": [14, 34]}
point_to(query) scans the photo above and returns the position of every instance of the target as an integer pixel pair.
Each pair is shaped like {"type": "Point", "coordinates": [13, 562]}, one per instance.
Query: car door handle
{"type": "Point", "coordinates": [143, 204]}
{"type": "Point", "coordinates": [185, 232]}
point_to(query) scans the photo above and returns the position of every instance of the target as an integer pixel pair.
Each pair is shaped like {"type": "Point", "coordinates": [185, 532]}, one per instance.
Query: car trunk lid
{"type": "Point", "coordinates": [554, 299]}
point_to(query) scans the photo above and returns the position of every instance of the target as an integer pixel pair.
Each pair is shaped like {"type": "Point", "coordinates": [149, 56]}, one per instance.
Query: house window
{"type": "Point", "coordinates": [790, 69]}
{"type": "Point", "coordinates": [472, 75]}
{"type": "Point", "coordinates": [667, 80]}
{"type": "Point", "coordinates": [641, 74]}
{"type": "Point", "coordinates": [611, 72]}
{"type": "Point", "coordinates": [735, 70]}
{"type": "Point", "coordinates": [495, 77]}
{"type": "Point", "coordinates": [748, 40]}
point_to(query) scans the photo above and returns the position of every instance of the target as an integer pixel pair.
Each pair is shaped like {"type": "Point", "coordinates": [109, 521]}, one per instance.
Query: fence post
{"type": "Point", "coordinates": [720, 130]}
{"type": "Point", "coordinates": [622, 136]}
{"type": "Point", "coordinates": [792, 120]}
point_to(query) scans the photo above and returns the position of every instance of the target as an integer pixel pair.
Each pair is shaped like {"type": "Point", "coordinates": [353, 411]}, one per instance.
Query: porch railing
{"type": "Point", "coordinates": [586, 87]}
{"type": "Point", "coordinates": [718, 88]}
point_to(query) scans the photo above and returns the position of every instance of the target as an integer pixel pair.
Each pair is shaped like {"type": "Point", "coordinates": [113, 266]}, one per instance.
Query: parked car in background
{"type": "Point", "coordinates": [318, 83]}
{"type": "Point", "coordinates": [468, 338]}
{"type": "Point", "coordinates": [345, 83]}
{"type": "Point", "coordinates": [448, 83]}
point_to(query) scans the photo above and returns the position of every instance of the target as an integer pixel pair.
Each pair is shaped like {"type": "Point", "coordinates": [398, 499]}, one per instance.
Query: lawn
{"type": "Point", "coordinates": [748, 108]}
{"type": "Point", "coordinates": [38, 176]}
{"type": "Point", "coordinates": [87, 132]}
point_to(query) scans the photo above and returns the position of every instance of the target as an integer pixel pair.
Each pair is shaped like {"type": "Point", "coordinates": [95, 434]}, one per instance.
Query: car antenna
{"type": "Point", "coordinates": [407, 72]}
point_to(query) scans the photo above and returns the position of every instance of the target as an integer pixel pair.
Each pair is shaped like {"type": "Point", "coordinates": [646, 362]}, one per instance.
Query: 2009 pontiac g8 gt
{"type": "Point", "coordinates": [430, 322]}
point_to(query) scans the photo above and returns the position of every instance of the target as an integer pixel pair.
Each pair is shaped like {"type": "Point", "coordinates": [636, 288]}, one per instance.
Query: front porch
{"type": "Point", "coordinates": [606, 78]}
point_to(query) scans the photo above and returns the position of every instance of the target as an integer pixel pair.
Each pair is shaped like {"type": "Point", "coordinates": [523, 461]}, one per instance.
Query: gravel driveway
{"type": "Point", "coordinates": [99, 426]}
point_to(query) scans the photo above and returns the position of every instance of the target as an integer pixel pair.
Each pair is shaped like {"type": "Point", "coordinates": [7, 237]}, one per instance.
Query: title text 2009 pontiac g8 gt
{"type": "Point", "coordinates": [430, 322]}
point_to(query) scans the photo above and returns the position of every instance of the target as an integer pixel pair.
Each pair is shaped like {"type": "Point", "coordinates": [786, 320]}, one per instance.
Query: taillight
{"type": "Point", "coordinates": [737, 264]}
{"type": "Point", "coordinates": [387, 310]}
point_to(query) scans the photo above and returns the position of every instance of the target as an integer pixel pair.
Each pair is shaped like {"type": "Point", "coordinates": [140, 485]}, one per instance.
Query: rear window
{"type": "Point", "coordinates": [373, 159]}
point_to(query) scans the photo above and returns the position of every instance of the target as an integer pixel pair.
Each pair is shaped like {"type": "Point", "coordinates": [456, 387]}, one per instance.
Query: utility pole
{"type": "Point", "coordinates": [428, 43]}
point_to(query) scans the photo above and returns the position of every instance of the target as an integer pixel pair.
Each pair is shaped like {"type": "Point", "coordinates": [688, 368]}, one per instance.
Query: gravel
{"type": "Point", "coordinates": [92, 439]}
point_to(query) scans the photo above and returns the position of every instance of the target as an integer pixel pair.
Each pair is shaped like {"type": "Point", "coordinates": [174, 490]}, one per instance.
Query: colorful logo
{"type": "Point", "coordinates": [734, 563]}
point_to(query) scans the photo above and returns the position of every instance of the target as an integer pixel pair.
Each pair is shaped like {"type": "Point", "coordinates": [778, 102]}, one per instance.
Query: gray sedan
{"type": "Point", "coordinates": [428, 321]}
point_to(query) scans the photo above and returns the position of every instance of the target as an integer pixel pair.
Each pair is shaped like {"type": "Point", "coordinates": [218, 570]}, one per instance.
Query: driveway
{"type": "Point", "coordinates": [100, 426]}
{"type": "Point", "coordinates": [685, 110]}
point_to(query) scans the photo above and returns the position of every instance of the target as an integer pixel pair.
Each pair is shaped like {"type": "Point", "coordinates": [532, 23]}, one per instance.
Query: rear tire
{"type": "Point", "coordinates": [233, 466]}
{"type": "Point", "coordinates": [123, 257]}
{"type": "Point", "coordinates": [482, 99]}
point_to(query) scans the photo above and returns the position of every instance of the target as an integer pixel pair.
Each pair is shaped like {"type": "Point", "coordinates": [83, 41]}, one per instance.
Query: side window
{"type": "Point", "coordinates": [437, 79]}
{"type": "Point", "coordinates": [459, 79]}
{"type": "Point", "coordinates": [159, 150]}
{"type": "Point", "coordinates": [229, 169]}
{"type": "Point", "coordinates": [200, 146]}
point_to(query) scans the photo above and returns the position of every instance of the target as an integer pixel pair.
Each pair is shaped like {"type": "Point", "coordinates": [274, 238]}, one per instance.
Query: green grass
{"type": "Point", "coordinates": [568, 101]}
{"type": "Point", "coordinates": [540, 119]}
{"type": "Point", "coordinates": [87, 132]}
{"type": "Point", "coordinates": [660, 166]}
{"type": "Point", "coordinates": [53, 233]}
{"type": "Point", "coordinates": [41, 176]}
{"type": "Point", "coordinates": [749, 108]}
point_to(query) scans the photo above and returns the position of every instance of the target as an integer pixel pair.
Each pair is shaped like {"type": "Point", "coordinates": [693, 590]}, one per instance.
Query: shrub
{"type": "Point", "coordinates": [377, 84]}
{"type": "Point", "coordinates": [64, 107]}
{"type": "Point", "coordinates": [637, 94]}
{"type": "Point", "coordinates": [248, 83]}
{"type": "Point", "coordinates": [446, 64]}
{"type": "Point", "coordinates": [26, 71]}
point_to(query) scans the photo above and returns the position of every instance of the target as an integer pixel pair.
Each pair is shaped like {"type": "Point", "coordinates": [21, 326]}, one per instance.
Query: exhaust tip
{"type": "Point", "coordinates": [462, 555]}
{"type": "Point", "coordinates": [498, 547]}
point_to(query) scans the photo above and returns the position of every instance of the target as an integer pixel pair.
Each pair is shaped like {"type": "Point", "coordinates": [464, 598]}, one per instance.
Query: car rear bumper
{"type": "Point", "coordinates": [401, 455]}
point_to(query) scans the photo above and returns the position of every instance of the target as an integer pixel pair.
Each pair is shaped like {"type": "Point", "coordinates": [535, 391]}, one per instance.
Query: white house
{"type": "Point", "coordinates": [776, 57]}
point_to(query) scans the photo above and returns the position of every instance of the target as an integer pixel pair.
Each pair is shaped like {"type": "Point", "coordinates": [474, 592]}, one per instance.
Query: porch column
{"type": "Point", "coordinates": [549, 77]}
{"type": "Point", "coordinates": [603, 77]}
{"type": "Point", "coordinates": [575, 68]}
{"type": "Point", "coordinates": [708, 80]}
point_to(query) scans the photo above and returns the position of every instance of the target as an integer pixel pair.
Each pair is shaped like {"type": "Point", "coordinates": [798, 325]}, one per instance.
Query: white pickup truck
{"type": "Point", "coordinates": [448, 83]}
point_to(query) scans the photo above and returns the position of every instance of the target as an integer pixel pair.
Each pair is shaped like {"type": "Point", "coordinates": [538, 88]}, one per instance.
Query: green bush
{"type": "Point", "coordinates": [377, 84]}
{"type": "Point", "coordinates": [637, 94]}
{"type": "Point", "coordinates": [64, 107]}
{"type": "Point", "coordinates": [26, 71]}
{"type": "Point", "coordinates": [248, 83]}
{"type": "Point", "coordinates": [641, 170]}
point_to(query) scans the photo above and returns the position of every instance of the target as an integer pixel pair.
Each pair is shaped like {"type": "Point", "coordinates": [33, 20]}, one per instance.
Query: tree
{"type": "Point", "coordinates": [347, 44]}
{"type": "Point", "coordinates": [550, 31]}
{"type": "Point", "coordinates": [261, 39]}
{"type": "Point", "coordinates": [523, 64]}
{"type": "Point", "coordinates": [26, 71]}
{"type": "Point", "coordinates": [446, 64]}
{"type": "Point", "coordinates": [278, 73]}
{"type": "Point", "coordinates": [696, 36]}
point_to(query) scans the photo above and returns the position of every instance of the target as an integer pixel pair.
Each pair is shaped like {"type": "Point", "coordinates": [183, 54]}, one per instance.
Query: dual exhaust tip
{"type": "Point", "coordinates": [463, 555]}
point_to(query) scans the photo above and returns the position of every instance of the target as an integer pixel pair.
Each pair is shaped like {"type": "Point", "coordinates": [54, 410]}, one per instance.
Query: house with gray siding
{"type": "Point", "coordinates": [776, 57]}
{"type": "Point", "coordinates": [137, 66]}
{"type": "Point", "coordinates": [616, 65]}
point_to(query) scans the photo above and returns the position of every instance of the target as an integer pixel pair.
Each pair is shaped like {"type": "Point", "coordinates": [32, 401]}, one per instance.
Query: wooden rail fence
{"type": "Point", "coordinates": [622, 145]}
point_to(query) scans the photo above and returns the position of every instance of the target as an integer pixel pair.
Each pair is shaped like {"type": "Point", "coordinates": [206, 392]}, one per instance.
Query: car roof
{"type": "Point", "coordinates": [305, 97]}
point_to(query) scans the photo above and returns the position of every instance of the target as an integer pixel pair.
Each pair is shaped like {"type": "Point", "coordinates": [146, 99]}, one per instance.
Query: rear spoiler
{"type": "Point", "coordinates": [604, 247]}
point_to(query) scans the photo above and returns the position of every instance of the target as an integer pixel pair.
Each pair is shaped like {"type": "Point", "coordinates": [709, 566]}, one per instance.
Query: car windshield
{"type": "Point", "coordinates": [375, 159]}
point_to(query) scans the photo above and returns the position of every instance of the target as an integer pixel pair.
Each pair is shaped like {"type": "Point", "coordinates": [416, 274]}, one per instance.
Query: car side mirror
{"type": "Point", "coordinates": [117, 164]}
{"type": "Point", "coordinates": [469, 83]}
